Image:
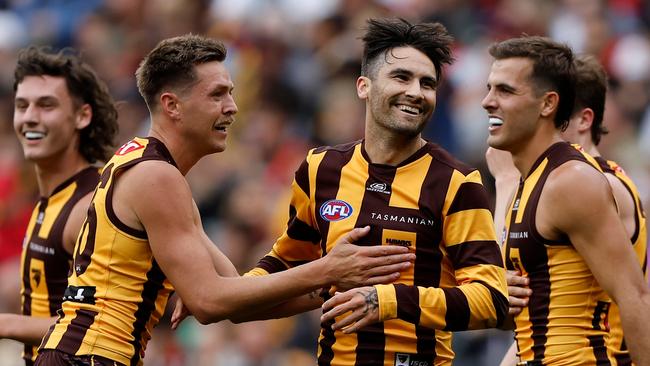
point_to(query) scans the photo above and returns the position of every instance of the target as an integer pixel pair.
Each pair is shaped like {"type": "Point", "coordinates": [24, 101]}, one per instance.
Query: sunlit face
{"type": "Point", "coordinates": [46, 119]}
{"type": "Point", "coordinates": [208, 108]}
{"type": "Point", "coordinates": [512, 104]}
{"type": "Point", "coordinates": [402, 95]}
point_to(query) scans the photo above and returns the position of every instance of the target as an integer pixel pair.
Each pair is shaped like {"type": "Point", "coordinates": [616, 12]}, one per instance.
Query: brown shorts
{"type": "Point", "coordinates": [52, 357]}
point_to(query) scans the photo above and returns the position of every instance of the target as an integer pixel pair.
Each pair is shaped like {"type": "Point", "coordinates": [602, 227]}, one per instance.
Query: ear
{"type": "Point", "coordinates": [550, 103]}
{"type": "Point", "coordinates": [170, 105]}
{"type": "Point", "coordinates": [586, 119]}
{"type": "Point", "coordinates": [84, 116]}
{"type": "Point", "coordinates": [363, 87]}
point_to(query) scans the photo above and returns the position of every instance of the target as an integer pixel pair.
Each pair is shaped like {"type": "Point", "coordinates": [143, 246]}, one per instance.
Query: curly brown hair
{"type": "Point", "coordinates": [97, 140]}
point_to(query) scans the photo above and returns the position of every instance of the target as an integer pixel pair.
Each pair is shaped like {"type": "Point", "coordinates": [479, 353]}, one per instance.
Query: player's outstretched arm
{"type": "Point", "coordinates": [178, 244]}
{"type": "Point", "coordinates": [26, 329]}
{"type": "Point", "coordinates": [590, 220]}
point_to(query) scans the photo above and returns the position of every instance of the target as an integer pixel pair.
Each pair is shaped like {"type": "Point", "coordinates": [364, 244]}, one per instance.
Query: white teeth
{"type": "Point", "coordinates": [409, 109]}
{"type": "Point", "coordinates": [494, 121]}
{"type": "Point", "coordinates": [33, 135]}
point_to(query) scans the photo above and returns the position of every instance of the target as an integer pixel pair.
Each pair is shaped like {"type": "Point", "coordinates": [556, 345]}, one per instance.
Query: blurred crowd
{"type": "Point", "coordinates": [294, 64]}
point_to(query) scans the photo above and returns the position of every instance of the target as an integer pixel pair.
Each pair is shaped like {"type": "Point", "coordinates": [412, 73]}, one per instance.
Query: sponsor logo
{"type": "Point", "coordinates": [378, 187]}
{"type": "Point", "coordinates": [404, 243]}
{"type": "Point", "coordinates": [406, 359]}
{"type": "Point", "coordinates": [83, 294]}
{"type": "Point", "coordinates": [36, 276]}
{"type": "Point", "coordinates": [335, 210]}
{"type": "Point", "coordinates": [401, 218]}
{"type": "Point", "coordinates": [41, 248]}
{"type": "Point", "coordinates": [128, 147]}
{"type": "Point", "coordinates": [518, 235]}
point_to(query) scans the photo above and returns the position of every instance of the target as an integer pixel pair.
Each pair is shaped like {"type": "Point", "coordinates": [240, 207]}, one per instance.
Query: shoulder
{"type": "Point", "coordinates": [445, 159]}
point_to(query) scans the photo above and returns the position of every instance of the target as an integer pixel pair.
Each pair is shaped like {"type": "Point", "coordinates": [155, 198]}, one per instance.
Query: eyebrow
{"type": "Point", "coordinates": [401, 71]}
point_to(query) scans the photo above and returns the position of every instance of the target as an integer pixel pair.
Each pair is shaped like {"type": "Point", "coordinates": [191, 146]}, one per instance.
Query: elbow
{"type": "Point", "coordinates": [208, 312]}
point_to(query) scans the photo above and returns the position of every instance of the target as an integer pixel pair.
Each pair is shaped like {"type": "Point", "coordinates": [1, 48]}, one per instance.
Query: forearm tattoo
{"type": "Point", "coordinates": [371, 301]}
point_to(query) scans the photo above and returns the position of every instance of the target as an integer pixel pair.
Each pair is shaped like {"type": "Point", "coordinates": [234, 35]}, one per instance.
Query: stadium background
{"type": "Point", "coordinates": [294, 63]}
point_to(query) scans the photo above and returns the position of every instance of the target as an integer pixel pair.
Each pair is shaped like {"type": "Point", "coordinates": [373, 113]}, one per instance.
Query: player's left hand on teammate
{"type": "Point", "coordinates": [180, 313]}
{"type": "Point", "coordinates": [359, 307]}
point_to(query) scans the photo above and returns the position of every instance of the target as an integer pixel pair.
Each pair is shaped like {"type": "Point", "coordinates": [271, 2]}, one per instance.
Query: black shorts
{"type": "Point", "coordinates": [52, 357]}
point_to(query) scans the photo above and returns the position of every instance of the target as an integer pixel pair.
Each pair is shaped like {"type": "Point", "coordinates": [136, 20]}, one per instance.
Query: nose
{"type": "Point", "coordinates": [414, 90]}
{"type": "Point", "coordinates": [488, 102]}
{"type": "Point", "coordinates": [230, 107]}
{"type": "Point", "coordinates": [26, 114]}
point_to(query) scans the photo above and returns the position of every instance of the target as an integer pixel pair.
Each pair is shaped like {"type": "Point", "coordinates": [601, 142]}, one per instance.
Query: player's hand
{"type": "Point", "coordinates": [500, 164]}
{"type": "Point", "coordinates": [359, 307]}
{"type": "Point", "coordinates": [179, 314]}
{"type": "Point", "coordinates": [518, 293]}
{"type": "Point", "coordinates": [353, 266]}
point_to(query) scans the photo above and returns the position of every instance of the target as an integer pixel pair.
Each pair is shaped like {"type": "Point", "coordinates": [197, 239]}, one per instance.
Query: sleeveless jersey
{"type": "Point", "coordinates": [565, 322]}
{"type": "Point", "coordinates": [639, 242]}
{"type": "Point", "coordinates": [44, 263]}
{"type": "Point", "coordinates": [116, 293]}
{"type": "Point", "coordinates": [430, 203]}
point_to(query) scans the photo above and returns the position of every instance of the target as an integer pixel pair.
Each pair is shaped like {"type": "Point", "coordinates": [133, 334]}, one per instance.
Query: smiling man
{"type": "Point", "coordinates": [65, 120]}
{"type": "Point", "coordinates": [562, 229]}
{"type": "Point", "coordinates": [410, 192]}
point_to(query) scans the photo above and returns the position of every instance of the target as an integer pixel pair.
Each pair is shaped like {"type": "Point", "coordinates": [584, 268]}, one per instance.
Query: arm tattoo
{"type": "Point", "coordinates": [371, 300]}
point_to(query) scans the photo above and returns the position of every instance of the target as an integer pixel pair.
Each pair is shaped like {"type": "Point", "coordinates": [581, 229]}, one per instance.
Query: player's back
{"type": "Point", "coordinates": [116, 292]}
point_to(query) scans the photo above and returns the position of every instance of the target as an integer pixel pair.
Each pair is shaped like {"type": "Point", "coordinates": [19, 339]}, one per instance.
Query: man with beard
{"type": "Point", "coordinates": [410, 192]}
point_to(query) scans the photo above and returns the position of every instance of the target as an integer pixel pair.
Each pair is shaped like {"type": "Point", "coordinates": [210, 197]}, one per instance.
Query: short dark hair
{"type": "Point", "coordinates": [171, 64]}
{"type": "Point", "coordinates": [591, 91]}
{"type": "Point", "coordinates": [96, 141]}
{"type": "Point", "coordinates": [553, 69]}
{"type": "Point", "coordinates": [382, 35]}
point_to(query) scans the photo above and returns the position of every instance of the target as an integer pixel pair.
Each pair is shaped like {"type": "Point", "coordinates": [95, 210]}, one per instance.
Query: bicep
{"type": "Point", "coordinates": [590, 220]}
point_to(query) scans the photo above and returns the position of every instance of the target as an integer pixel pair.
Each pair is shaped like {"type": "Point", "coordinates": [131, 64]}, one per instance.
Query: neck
{"type": "Point", "coordinates": [589, 146]}
{"type": "Point", "coordinates": [185, 158]}
{"type": "Point", "coordinates": [525, 157]}
{"type": "Point", "coordinates": [391, 150]}
{"type": "Point", "coordinates": [51, 174]}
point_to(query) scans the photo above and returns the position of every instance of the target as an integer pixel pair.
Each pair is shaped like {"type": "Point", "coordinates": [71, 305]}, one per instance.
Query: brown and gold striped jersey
{"type": "Point", "coordinates": [45, 264]}
{"type": "Point", "coordinates": [565, 322]}
{"type": "Point", "coordinates": [116, 292]}
{"type": "Point", "coordinates": [430, 203]}
{"type": "Point", "coordinates": [639, 242]}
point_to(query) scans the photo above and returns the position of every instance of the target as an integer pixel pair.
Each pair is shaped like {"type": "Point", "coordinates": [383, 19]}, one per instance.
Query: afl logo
{"type": "Point", "coordinates": [335, 210]}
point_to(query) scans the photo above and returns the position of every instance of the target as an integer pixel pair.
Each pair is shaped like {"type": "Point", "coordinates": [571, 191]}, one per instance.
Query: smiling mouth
{"type": "Point", "coordinates": [33, 135]}
{"type": "Point", "coordinates": [495, 122]}
{"type": "Point", "coordinates": [409, 109]}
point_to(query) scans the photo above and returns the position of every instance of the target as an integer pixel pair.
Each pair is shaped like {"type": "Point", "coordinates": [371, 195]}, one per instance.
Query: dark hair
{"type": "Point", "coordinates": [96, 141]}
{"type": "Point", "coordinates": [553, 69]}
{"type": "Point", "coordinates": [591, 91]}
{"type": "Point", "coordinates": [171, 64]}
{"type": "Point", "coordinates": [382, 35]}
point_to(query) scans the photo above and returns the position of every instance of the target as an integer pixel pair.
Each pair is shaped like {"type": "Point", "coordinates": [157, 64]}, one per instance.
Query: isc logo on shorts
{"type": "Point", "coordinates": [335, 210]}
{"type": "Point", "coordinates": [407, 359]}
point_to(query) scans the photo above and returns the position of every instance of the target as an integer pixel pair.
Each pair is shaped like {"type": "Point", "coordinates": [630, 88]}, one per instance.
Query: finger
{"type": "Point", "coordinates": [383, 269]}
{"type": "Point", "coordinates": [519, 292]}
{"type": "Point", "coordinates": [355, 234]}
{"type": "Point", "coordinates": [358, 325]}
{"type": "Point", "coordinates": [517, 280]}
{"type": "Point", "coordinates": [383, 279]}
{"type": "Point", "coordinates": [386, 250]}
{"type": "Point", "coordinates": [336, 300]}
{"type": "Point", "coordinates": [337, 311]}
{"type": "Point", "coordinates": [514, 310]}
{"type": "Point", "coordinates": [517, 302]}
{"type": "Point", "coordinates": [348, 320]}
